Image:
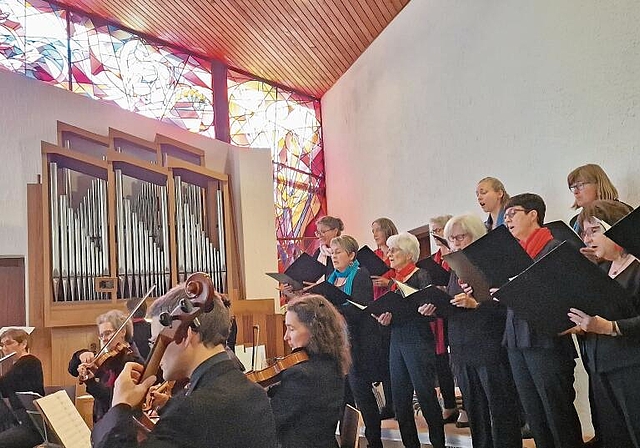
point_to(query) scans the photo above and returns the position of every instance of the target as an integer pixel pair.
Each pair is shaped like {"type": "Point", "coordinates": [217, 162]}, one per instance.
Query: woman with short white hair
{"type": "Point", "coordinates": [412, 351]}
{"type": "Point", "coordinates": [480, 362]}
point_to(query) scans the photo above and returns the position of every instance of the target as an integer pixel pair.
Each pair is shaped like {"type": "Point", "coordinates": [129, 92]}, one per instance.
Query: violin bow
{"type": "Point", "coordinates": [124, 324]}
{"type": "Point", "coordinates": [256, 340]}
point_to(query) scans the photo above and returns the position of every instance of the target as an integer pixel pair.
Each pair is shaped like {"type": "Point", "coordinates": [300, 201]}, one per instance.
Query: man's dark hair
{"type": "Point", "coordinates": [529, 201]}
{"type": "Point", "coordinates": [132, 303]}
{"type": "Point", "coordinates": [214, 325]}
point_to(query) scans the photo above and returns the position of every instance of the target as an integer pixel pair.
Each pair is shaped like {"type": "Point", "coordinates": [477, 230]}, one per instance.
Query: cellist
{"type": "Point", "coordinates": [219, 408]}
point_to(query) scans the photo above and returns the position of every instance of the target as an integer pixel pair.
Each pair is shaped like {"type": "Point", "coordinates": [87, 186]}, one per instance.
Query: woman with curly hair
{"type": "Point", "coordinates": [308, 401]}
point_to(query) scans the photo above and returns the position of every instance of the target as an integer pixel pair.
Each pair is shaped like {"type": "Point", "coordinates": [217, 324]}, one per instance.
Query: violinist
{"type": "Point", "coordinates": [25, 375]}
{"type": "Point", "coordinates": [220, 407]}
{"type": "Point", "coordinates": [307, 402]}
{"type": "Point", "coordinates": [100, 379]}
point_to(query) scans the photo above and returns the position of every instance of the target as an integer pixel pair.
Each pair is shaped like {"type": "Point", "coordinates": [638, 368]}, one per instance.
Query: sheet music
{"type": "Point", "coordinates": [63, 417]}
{"type": "Point", "coordinates": [4, 358]}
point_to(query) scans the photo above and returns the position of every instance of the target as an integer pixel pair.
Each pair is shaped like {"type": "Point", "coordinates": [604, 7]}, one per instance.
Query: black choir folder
{"type": "Point", "coordinates": [562, 232]}
{"type": "Point", "coordinates": [439, 275]}
{"type": "Point", "coordinates": [404, 307]}
{"type": "Point", "coordinates": [626, 233]}
{"type": "Point", "coordinates": [330, 292]}
{"type": "Point", "coordinates": [563, 279]}
{"type": "Point", "coordinates": [489, 262]}
{"type": "Point", "coordinates": [304, 269]}
{"type": "Point", "coordinates": [372, 262]}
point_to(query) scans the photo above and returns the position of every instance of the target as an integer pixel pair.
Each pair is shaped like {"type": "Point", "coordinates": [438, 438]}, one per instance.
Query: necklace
{"type": "Point", "coordinates": [617, 268]}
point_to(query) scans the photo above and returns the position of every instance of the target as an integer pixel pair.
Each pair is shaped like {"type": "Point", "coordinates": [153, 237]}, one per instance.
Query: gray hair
{"type": "Point", "coordinates": [469, 224]}
{"type": "Point", "coordinates": [116, 318]}
{"type": "Point", "coordinates": [407, 243]}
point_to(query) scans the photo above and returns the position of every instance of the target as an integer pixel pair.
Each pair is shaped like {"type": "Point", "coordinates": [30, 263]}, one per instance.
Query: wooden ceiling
{"type": "Point", "coordinates": [302, 44]}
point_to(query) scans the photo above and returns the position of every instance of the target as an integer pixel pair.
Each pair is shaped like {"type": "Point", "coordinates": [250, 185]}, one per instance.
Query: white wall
{"type": "Point", "coordinates": [28, 114]}
{"type": "Point", "coordinates": [453, 91]}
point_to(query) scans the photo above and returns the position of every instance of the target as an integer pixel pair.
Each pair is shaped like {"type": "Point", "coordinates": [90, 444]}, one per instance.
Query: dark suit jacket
{"type": "Point", "coordinates": [307, 403]}
{"type": "Point", "coordinates": [606, 353]}
{"type": "Point", "coordinates": [220, 409]}
{"type": "Point", "coordinates": [475, 335]}
{"type": "Point", "coordinates": [519, 335]}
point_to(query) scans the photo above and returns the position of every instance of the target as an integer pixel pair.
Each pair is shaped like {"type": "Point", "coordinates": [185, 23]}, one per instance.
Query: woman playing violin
{"type": "Point", "coordinates": [99, 379]}
{"type": "Point", "coordinates": [308, 400]}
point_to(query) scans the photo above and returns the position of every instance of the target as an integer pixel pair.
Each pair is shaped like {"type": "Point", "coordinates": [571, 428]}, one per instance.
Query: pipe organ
{"type": "Point", "coordinates": [130, 219]}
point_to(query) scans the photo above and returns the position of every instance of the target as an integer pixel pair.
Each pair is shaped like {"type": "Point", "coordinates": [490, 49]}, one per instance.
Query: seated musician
{"type": "Point", "coordinates": [100, 382]}
{"type": "Point", "coordinates": [220, 406]}
{"type": "Point", "coordinates": [307, 402]}
{"type": "Point", "coordinates": [25, 375]}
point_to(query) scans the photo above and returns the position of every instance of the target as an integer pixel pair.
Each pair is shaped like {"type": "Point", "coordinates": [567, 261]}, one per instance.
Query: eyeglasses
{"type": "Point", "coordinates": [436, 231]}
{"type": "Point", "coordinates": [595, 230]}
{"type": "Point", "coordinates": [578, 186]}
{"type": "Point", "coordinates": [322, 232]}
{"type": "Point", "coordinates": [512, 212]}
{"type": "Point", "coordinates": [106, 334]}
{"type": "Point", "coordinates": [459, 238]}
{"type": "Point", "coordinates": [7, 343]}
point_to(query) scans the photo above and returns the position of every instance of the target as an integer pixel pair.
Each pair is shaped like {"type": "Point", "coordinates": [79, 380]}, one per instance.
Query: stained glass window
{"type": "Point", "coordinates": [33, 40]}
{"type": "Point", "coordinates": [157, 81]}
{"type": "Point", "coordinates": [264, 116]}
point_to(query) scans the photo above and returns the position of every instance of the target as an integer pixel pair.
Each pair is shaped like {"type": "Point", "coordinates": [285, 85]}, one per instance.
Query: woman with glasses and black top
{"type": "Point", "coordinates": [80, 365]}
{"type": "Point", "coordinates": [412, 352]}
{"type": "Point", "coordinates": [327, 228]}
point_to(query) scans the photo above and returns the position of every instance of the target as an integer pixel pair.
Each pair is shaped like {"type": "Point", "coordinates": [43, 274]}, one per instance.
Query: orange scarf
{"type": "Point", "coordinates": [536, 241]}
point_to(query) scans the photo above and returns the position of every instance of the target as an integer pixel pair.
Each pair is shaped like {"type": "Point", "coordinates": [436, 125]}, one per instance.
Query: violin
{"type": "Point", "coordinates": [200, 299]}
{"type": "Point", "coordinates": [106, 359]}
{"type": "Point", "coordinates": [271, 375]}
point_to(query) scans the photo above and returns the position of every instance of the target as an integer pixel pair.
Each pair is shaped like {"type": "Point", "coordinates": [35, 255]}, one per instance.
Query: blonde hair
{"type": "Point", "coordinates": [469, 224]}
{"type": "Point", "coordinates": [327, 328]}
{"type": "Point", "coordinates": [18, 335]}
{"type": "Point", "coordinates": [496, 185]}
{"type": "Point", "coordinates": [346, 242]}
{"type": "Point", "coordinates": [594, 174]}
{"type": "Point", "coordinates": [441, 220]}
{"type": "Point", "coordinates": [407, 243]}
{"type": "Point", "coordinates": [331, 222]}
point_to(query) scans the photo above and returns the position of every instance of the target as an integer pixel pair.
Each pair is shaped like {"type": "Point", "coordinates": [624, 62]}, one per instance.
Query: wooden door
{"type": "Point", "coordinates": [12, 301]}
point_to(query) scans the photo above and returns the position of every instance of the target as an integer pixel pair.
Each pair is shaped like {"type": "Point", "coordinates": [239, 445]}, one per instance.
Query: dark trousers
{"type": "Point", "coordinates": [622, 388]}
{"type": "Point", "coordinates": [490, 399]}
{"type": "Point", "coordinates": [366, 402]}
{"type": "Point", "coordinates": [412, 368]}
{"type": "Point", "coordinates": [445, 381]}
{"type": "Point", "coordinates": [544, 379]}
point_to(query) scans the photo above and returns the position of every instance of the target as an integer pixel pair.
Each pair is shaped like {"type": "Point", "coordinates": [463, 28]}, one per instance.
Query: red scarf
{"type": "Point", "coordinates": [403, 274]}
{"type": "Point", "coordinates": [536, 241]}
{"type": "Point", "coordinates": [438, 258]}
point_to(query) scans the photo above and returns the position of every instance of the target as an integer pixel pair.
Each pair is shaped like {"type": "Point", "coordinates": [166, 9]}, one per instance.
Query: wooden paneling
{"type": "Point", "coordinates": [12, 300]}
{"type": "Point", "coordinates": [302, 44]}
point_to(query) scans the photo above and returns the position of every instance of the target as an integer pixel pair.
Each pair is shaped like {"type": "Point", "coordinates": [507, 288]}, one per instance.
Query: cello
{"type": "Point", "coordinates": [200, 299]}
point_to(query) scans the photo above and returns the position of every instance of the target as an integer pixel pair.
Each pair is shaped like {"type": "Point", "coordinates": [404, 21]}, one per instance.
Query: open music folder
{"type": "Point", "coordinates": [304, 269]}
{"type": "Point", "coordinates": [562, 232]}
{"type": "Point", "coordinates": [626, 233]}
{"type": "Point", "coordinates": [489, 262]}
{"type": "Point", "coordinates": [65, 420]}
{"type": "Point", "coordinates": [405, 305]}
{"type": "Point", "coordinates": [371, 261]}
{"type": "Point", "coordinates": [563, 279]}
{"type": "Point", "coordinates": [439, 275]}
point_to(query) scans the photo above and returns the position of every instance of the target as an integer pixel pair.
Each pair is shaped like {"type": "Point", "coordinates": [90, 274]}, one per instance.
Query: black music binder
{"type": "Point", "coordinates": [372, 262]}
{"type": "Point", "coordinates": [404, 308]}
{"type": "Point", "coordinates": [304, 269]}
{"type": "Point", "coordinates": [626, 233]}
{"type": "Point", "coordinates": [333, 294]}
{"type": "Point", "coordinates": [439, 275]}
{"type": "Point", "coordinates": [489, 262]}
{"type": "Point", "coordinates": [562, 232]}
{"type": "Point", "coordinates": [560, 280]}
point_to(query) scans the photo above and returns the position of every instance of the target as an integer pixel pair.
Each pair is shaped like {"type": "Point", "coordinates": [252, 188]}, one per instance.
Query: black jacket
{"type": "Point", "coordinates": [307, 403]}
{"type": "Point", "coordinates": [475, 335]}
{"type": "Point", "coordinates": [606, 353]}
{"type": "Point", "coordinates": [220, 409]}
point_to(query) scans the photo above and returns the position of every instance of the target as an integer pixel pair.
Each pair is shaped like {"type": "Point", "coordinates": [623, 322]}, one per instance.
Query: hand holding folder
{"type": "Point", "coordinates": [305, 269]}
{"type": "Point", "coordinates": [563, 279]}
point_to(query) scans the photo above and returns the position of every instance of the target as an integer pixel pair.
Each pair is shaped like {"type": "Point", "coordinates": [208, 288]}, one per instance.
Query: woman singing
{"type": "Point", "coordinates": [308, 401]}
{"type": "Point", "coordinates": [412, 352]}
